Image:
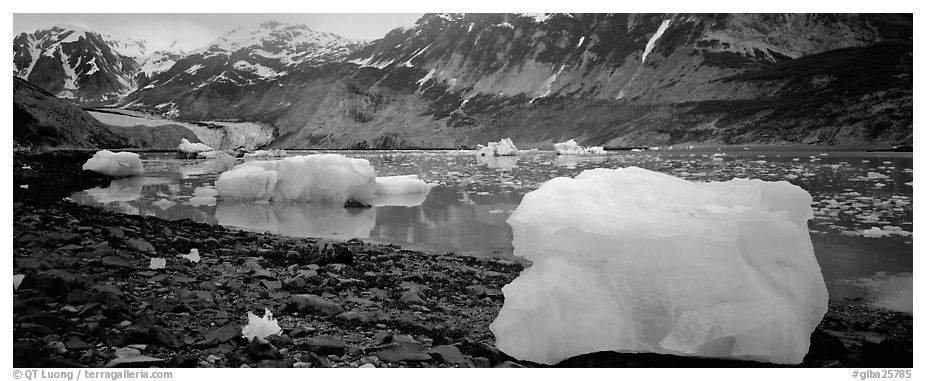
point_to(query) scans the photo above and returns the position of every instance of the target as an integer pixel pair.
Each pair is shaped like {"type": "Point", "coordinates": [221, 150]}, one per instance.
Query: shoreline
{"type": "Point", "coordinates": [88, 293]}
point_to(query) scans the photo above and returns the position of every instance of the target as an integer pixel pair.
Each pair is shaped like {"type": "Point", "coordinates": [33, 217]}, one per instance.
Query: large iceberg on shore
{"type": "Point", "coordinates": [327, 178]}
{"type": "Point", "coordinates": [570, 147]}
{"type": "Point", "coordinates": [504, 147]}
{"type": "Point", "coordinates": [637, 261]}
{"type": "Point", "coordinates": [115, 164]}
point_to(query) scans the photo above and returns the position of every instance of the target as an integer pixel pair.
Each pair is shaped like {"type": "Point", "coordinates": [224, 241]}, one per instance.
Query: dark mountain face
{"type": "Point", "coordinates": [74, 63]}
{"type": "Point", "coordinates": [42, 121]}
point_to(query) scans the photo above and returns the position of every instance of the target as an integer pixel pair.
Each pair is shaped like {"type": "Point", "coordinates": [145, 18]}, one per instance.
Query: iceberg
{"type": "Point", "coordinates": [637, 261]}
{"type": "Point", "coordinates": [187, 147]}
{"type": "Point", "coordinates": [502, 147]}
{"type": "Point", "coordinates": [398, 185]}
{"type": "Point", "coordinates": [570, 147]}
{"type": "Point", "coordinates": [324, 178]}
{"type": "Point", "coordinates": [115, 164]}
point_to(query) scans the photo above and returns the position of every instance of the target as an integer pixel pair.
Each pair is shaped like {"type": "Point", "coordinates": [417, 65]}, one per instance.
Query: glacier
{"type": "Point", "coordinates": [632, 260]}
{"type": "Point", "coordinates": [115, 164]}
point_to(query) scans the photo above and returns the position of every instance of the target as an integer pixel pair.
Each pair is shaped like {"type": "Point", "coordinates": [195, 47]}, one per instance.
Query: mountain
{"type": "Point", "coordinates": [42, 121]}
{"type": "Point", "coordinates": [76, 63]}
{"type": "Point", "coordinates": [210, 81]}
{"type": "Point", "coordinates": [456, 80]}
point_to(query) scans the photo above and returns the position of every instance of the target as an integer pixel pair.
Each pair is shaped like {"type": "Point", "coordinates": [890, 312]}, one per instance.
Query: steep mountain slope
{"type": "Point", "coordinates": [456, 80]}
{"type": "Point", "coordinates": [210, 82]}
{"type": "Point", "coordinates": [71, 62]}
{"type": "Point", "coordinates": [42, 121]}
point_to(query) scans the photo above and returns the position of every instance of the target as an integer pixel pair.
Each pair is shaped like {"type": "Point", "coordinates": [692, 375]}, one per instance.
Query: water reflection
{"type": "Point", "coordinates": [889, 291]}
{"type": "Point", "coordinates": [298, 220]}
{"type": "Point", "coordinates": [406, 200]}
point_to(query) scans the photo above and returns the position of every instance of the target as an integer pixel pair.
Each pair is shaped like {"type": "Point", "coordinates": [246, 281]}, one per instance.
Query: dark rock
{"type": "Point", "coordinates": [138, 244]}
{"type": "Point", "coordinates": [325, 345]}
{"type": "Point", "coordinates": [306, 303]}
{"type": "Point", "coordinates": [825, 346]}
{"type": "Point", "coordinates": [887, 352]}
{"type": "Point", "coordinates": [183, 361]}
{"type": "Point", "coordinates": [354, 316]}
{"type": "Point", "coordinates": [411, 297]}
{"type": "Point", "coordinates": [116, 261]}
{"type": "Point", "coordinates": [52, 282]}
{"type": "Point", "coordinates": [482, 362]}
{"type": "Point", "coordinates": [261, 349]}
{"type": "Point", "coordinates": [477, 292]}
{"type": "Point", "coordinates": [75, 343]}
{"type": "Point", "coordinates": [71, 247]}
{"type": "Point", "coordinates": [221, 335]}
{"type": "Point", "coordinates": [53, 321]}
{"type": "Point", "coordinates": [166, 232]}
{"type": "Point", "coordinates": [280, 341]}
{"type": "Point", "coordinates": [352, 203]}
{"type": "Point", "coordinates": [448, 354]}
{"type": "Point", "coordinates": [272, 284]}
{"type": "Point", "coordinates": [67, 238]}
{"type": "Point", "coordinates": [402, 351]}
{"type": "Point", "coordinates": [114, 232]}
{"type": "Point", "coordinates": [286, 363]}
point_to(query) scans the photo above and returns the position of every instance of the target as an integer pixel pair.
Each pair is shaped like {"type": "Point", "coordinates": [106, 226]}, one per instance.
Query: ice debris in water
{"type": "Point", "coordinates": [324, 178]}
{"type": "Point", "coordinates": [570, 147]}
{"type": "Point", "coordinates": [266, 153]}
{"type": "Point", "coordinates": [187, 147]}
{"type": "Point", "coordinates": [17, 280]}
{"type": "Point", "coordinates": [115, 164]}
{"type": "Point", "coordinates": [157, 263]}
{"type": "Point", "coordinates": [634, 260]}
{"type": "Point", "coordinates": [260, 327]}
{"type": "Point", "coordinates": [502, 147]}
{"type": "Point", "coordinates": [193, 256]}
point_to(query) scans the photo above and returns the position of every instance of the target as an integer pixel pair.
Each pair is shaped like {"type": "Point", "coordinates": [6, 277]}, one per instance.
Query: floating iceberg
{"type": "Point", "coordinates": [633, 260]}
{"type": "Point", "coordinates": [570, 147]}
{"type": "Point", "coordinates": [187, 147]}
{"type": "Point", "coordinates": [502, 147]}
{"type": "Point", "coordinates": [115, 164]}
{"type": "Point", "coordinates": [326, 178]}
{"type": "Point", "coordinates": [266, 153]}
{"type": "Point", "coordinates": [396, 185]}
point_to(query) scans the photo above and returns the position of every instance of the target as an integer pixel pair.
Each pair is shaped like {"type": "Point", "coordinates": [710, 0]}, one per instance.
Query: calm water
{"type": "Point", "coordinates": [465, 213]}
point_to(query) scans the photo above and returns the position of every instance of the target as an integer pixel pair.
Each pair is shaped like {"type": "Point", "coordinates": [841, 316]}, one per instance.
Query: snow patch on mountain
{"type": "Point", "coordinates": [193, 69]}
{"type": "Point", "coordinates": [652, 40]}
{"type": "Point", "coordinates": [537, 17]}
{"type": "Point", "coordinates": [261, 70]}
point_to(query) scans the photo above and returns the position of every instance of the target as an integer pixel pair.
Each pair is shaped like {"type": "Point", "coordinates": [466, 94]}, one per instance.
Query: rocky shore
{"type": "Point", "coordinates": [89, 297]}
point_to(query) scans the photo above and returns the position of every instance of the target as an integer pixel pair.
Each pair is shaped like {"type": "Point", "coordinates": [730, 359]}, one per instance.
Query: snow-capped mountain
{"type": "Point", "coordinates": [76, 63]}
{"type": "Point", "coordinates": [236, 63]}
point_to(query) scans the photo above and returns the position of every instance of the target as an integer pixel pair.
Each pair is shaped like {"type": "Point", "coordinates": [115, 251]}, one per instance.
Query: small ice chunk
{"type": "Point", "coordinates": [187, 147]}
{"type": "Point", "coordinates": [17, 280]}
{"type": "Point", "coordinates": [260, 327]}
{"type": "Point", "coordinates": [404, 184]}
{"type": "Point", "coordinates": [24, 186]}
{"type": "Point", "coordinates": [115, 164]}
{"type": "Point", "coordinates": [157, 263]}
{"type": "Point", "coordinates": [266, 153]}
{"type": "Point", "coordinates": [193, 256]}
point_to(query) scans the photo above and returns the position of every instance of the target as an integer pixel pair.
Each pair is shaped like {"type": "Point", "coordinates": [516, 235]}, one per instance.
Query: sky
{"type": "Point", "coordinates": [194, 30]}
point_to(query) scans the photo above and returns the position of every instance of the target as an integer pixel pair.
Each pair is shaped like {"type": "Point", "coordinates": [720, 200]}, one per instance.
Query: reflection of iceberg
{"type": "Point", "coordinates": [408, 199]}
{"type": "Point", "coordinates": [298, 220]}
{"type": "Point", "coordinates": [500, 162]}
{"type": "Point", "coordinates": [205, 167]}
{"type": "Point", "coordinates": [571, 161]}
{"type": "Point", "coordinates": [127, 189]}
